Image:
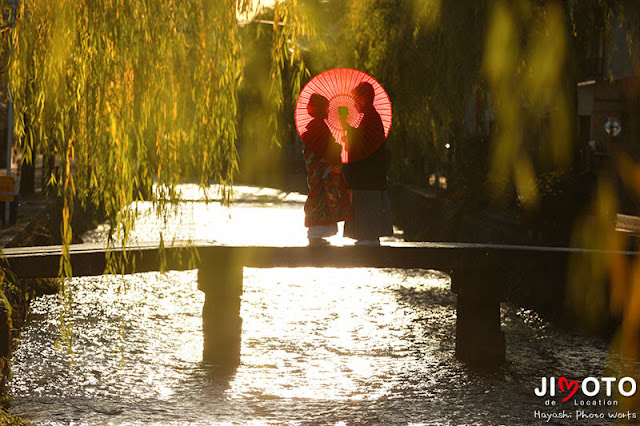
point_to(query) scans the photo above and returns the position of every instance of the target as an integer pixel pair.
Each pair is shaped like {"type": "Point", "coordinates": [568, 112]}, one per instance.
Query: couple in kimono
{"type": "Point", "coordinates": [354, 192]}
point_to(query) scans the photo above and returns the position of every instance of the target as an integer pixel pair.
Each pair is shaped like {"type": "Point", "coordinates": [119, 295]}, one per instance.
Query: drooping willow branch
{"type": "Point", "coordinates": [126, 99]}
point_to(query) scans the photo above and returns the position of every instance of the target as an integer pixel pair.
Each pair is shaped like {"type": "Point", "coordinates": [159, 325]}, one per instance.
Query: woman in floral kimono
{"type": "Point", "coordinates": [328, 201]}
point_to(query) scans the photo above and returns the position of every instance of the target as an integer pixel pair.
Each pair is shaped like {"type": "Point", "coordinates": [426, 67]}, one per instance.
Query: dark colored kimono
{"type": "Point", "coordinates": [367, 178]}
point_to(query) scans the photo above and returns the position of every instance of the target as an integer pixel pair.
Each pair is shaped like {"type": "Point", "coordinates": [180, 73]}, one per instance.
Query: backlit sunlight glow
{"type": "Point", "coordinates": [238, 224]}
{"type": "Point", "coordinates": [347, 318]}
{"type": "Point", "coordinates": [322, 334]}
{"type": "Point", "coordinates": [256, 8]}
{"type": "Point", "coordinates": [125, 105]}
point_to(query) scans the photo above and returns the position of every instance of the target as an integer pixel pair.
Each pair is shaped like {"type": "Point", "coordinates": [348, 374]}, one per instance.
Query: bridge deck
{"type": "Point", "coordinates": [477, 277]}
{"type": "Point", "coordinates": [89, 259]}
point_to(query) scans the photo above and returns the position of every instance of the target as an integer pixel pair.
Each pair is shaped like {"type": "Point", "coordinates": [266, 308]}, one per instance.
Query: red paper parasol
{"type": "Point", "coordinates": [359, 98]}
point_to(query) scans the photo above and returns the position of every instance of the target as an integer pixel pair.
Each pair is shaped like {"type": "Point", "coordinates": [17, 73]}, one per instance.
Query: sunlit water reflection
{"type": "Point", "coordinates": [357, 346]}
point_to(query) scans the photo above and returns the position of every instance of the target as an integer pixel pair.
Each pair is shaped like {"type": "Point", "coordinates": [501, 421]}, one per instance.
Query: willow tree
{"type": "Point", "coordinates": [427, 54]}
{"type": "Point", "coordinates": [129, 98]}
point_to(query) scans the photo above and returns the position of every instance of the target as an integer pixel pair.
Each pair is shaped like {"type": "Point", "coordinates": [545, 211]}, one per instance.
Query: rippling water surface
{"type": "Point", "coordinates": [351, 346]}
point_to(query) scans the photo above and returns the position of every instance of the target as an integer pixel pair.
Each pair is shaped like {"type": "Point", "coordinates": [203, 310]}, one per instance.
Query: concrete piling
{"type": "Point", "coordinates": [221, 321]}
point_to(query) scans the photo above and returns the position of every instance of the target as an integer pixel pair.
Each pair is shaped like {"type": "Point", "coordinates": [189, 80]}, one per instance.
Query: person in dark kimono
{"type": "Point", "coordinates": [367, 177]}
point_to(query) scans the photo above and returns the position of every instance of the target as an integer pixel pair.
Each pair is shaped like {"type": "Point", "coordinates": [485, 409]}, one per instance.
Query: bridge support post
{"type": "Point", "coordinates": [479, 339]}
{"type": "Point", "coordinates": [221, 283]}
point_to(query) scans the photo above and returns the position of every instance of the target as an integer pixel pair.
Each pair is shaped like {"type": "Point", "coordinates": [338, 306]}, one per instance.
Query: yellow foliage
{"type": "Point", "coordinates": [131, 97]}
{"type": "Point", "coordinates": [525, 56]}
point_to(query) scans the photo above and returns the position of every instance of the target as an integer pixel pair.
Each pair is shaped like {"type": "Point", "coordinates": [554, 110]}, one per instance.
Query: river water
{"type": "Point", "coordinates": [339, 346]}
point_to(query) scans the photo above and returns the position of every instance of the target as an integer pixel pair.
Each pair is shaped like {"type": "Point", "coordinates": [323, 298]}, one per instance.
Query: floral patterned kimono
{"type": "Point", "coordinates": [329, 199]}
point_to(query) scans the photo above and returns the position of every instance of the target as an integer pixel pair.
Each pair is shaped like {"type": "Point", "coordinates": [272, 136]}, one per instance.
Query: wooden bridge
{"type": "Point", "coordinates": [477, 277]}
